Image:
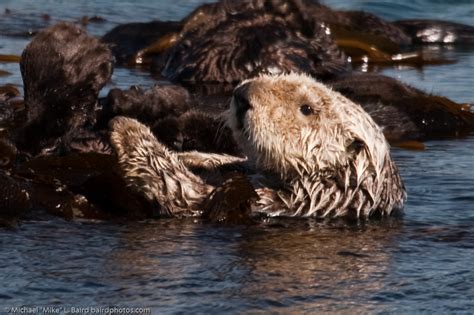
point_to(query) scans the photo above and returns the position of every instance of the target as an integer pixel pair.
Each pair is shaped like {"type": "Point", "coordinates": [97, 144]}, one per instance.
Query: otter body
{"type": "Point", "coordinates": [315, 154]}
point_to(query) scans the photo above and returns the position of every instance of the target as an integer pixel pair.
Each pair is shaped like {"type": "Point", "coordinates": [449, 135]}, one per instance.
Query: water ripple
{"type": "Point", "coordinates": [421, 263]}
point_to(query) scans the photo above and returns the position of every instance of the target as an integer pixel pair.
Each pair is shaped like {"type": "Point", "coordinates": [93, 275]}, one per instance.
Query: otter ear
{"type": "Point", "coordinates": [356, 146]}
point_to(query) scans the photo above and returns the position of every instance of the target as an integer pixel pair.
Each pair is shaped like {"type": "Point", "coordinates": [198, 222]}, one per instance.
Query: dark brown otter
{"type": "Point", "coordinates": [180, 47]}
{"type": "Point", "coordinates": [62, 82]}
{"type": "Point", "coordinates": [63, 70]}
{"type": "Point", "coordinates": [146, 105]}
{"type": "Point", "coordinates": [62, 115]}
{"type": "Point", "coordinates": [404, 112]}
{"type": "Point", "coordinates": [196, 130]}
{"type": "Point", "coordinates": [229, 42]}
{"type": "Point", "coordinates": [173, 115]}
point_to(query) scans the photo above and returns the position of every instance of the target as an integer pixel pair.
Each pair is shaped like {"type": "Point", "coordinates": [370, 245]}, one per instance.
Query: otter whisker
{"type": "Point", "coordinates": [220, 131]}
{"type": "Point", "coordinates": [306, 164]}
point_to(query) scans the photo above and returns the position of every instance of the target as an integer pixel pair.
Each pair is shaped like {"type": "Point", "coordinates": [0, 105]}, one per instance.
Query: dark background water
{"type": "Point", "coordinates": [422, 263]}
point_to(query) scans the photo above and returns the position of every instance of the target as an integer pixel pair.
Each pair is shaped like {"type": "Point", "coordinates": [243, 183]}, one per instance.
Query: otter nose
{"type": "Point", "coordinates": [242, 103]}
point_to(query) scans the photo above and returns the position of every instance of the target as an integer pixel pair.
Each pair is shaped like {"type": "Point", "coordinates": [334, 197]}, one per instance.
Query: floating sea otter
{"type": "Point", "coordinates": [229, 41]}
{"type": "Point", "coordinates": [61, 88]}
{"type": "Point", "coordinates": [315, 154]}
{"type": "Point", "coordinates": [53, 155]}
{"type": "Point", "coordinates": [63, 70]}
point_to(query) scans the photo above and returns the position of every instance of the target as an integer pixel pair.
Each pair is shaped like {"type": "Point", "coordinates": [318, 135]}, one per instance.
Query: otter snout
{"type": "Point", "coordinates": [241, 103]}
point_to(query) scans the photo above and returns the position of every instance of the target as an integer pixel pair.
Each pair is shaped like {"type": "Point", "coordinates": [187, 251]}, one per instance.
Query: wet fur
{"type": "Point", "coordinates": [151, 169]}
{"type": "Point", "coordinates": [334, 164]}
{"type": "Point", "coordinates": [147, 105]}
{"type": "Point", "coordinates": [404, 112]}
{"type": "Point", "coordinates": [198, 131]}
{"type": "Point", "coordinates": [77, 66]}
{"type": "Point", "coordinates": [228, 42]}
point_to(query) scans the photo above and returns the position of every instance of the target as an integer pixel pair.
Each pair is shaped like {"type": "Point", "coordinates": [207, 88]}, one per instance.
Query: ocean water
{"type": "Point", "coordinates": [422, 263]}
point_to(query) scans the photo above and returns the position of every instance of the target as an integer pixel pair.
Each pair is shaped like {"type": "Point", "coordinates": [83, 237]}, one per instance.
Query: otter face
{"type": "Point", "coordinates": [293, 125]}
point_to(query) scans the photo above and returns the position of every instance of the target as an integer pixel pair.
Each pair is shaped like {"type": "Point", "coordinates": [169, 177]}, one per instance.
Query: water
{"type": "Point", "coordinates": [422, 263]}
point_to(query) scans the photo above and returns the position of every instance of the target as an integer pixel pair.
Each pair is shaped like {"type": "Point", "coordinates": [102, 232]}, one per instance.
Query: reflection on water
{"type": "Point", "coordinates": [178, 265]}
{"type": "Point", "coordinates": [461, 11]}
{"type": "Point", "coordinates": [283, 266]}
{"type": "Point", "coordinates": [454, 81]}
{"type": "Point", "coordinates": [422, 263]}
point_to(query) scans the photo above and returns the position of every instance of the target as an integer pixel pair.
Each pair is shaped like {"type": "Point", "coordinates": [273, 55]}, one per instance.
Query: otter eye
{"type": "Point", "coordinates": [306, 110]}
{"type": "Point", "coordinates": [356, 146]}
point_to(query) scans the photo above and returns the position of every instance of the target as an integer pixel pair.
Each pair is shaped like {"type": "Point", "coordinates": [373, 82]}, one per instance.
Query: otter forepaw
{"type": "Point", "coordinates": [125, 135]}
{"type": "Point", "coordinates": [150, 169]}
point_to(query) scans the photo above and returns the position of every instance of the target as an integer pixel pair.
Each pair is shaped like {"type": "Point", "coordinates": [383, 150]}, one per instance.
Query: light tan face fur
{"type": "Point", "coordinates": [279, 136]}
{"type": "Point", "coordinates": [333, 159]}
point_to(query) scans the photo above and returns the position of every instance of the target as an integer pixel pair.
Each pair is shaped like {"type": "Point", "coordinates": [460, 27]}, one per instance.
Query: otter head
{"type": "Point", "coordinates": [293, 124]}
{"type": "Point", "coordinates": [317, 141]}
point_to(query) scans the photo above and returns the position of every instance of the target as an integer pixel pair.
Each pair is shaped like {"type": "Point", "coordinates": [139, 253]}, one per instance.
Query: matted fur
{"type": "Point", "coordinates": [230, 41]}
{"type": "Point", "coordinates": [335, 162]}
{"type": "Point", "coordinates": [332, 163]}
{"type": "Point", "coordinates": [63, 70]}
{"type": "Point", "coordinates": [151, 169]}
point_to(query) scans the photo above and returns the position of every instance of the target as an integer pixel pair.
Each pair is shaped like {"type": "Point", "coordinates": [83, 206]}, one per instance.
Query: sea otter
{"type": "Point", "coordinates": [228, 41]}
{"type": "Point", "coordinates": [315, 154]}
{"type": "Point", "coordinates": [404, 112]}
{"type": "Point", "coordinates": [63, 70]}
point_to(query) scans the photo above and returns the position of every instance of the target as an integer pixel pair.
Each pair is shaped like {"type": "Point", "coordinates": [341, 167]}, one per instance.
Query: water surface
{"type": "Point", "coordinates": [422, 263]}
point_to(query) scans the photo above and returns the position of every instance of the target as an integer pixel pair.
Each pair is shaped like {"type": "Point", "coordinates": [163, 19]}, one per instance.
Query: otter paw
{"type": "Point", "coordinates": [153, 171]}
